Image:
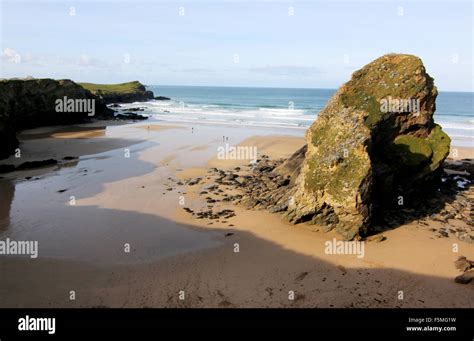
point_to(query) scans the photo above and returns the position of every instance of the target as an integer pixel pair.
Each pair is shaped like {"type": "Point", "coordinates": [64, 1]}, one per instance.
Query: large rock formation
{"type": "Point", "coordinates": [374, 144]}
{"type": "Point", "coordinates": [120, 93]}
{"type": "Point", "coordinates": [32, 103]}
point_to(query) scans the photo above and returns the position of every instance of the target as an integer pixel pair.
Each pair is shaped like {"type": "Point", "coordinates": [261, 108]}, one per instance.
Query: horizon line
{"type": "Point", "coordinates": [208, 86]}
{"type": "Point", "coordinates": [269, 87]}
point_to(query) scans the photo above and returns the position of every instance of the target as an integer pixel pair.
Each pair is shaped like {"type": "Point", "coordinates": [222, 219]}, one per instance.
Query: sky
{"type": "Point", "coordinates": [294, 44]}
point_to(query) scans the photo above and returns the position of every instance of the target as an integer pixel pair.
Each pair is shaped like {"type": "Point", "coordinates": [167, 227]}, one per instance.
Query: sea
{"type": "Point", "coordinates": [289, 108]}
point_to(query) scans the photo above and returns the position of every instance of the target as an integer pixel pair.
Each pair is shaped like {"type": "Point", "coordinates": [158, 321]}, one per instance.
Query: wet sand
{"type": "Point", "coordinates": [135, 199]}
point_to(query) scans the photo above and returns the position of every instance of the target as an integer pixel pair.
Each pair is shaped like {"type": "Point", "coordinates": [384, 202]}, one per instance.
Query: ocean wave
{"type": "Point", "coordinates": [281, 111]}
{"type": "Point", "coordinates": [463, 137]}
{"type": "Point", "coordinates": [266, 115]}
{"type": "Point", "coordinates": [453, 125]}
{"type": "Point", "coordinates": [236, 122]}
{"type": "Point", "coordinates": [213, 110]}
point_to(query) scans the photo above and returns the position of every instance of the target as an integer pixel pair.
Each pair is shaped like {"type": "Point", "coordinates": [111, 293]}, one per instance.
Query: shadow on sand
{"type": "Point", "coordinates": [167, 257]}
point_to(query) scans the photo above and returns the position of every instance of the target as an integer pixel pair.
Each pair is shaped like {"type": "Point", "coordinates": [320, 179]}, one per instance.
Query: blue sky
{"type": "Point", "coordinates": [233, 43]}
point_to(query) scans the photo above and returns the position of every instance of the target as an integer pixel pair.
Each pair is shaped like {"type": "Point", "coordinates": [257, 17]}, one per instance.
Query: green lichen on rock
{"type": "Point", "coordinates": [400, 72]}
{"type": "Point", "coordinates": [340, 180]}
{"type": "Point", "coordinates": [410, 151]}
{"type": "Point", "coordinates": [361, 152]}
{"type": "Point", "coordinates": [440, 144]}
{"type": "Point", "coordinates": [339, 164]}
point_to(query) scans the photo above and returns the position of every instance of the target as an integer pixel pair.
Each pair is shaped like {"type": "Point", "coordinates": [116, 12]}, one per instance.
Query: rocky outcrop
{"type": "Point", "coordinates": [292, 166]}
{"type": "Point", "coordinates": [264, 185]}
{"type": "Point", "coordinates": [464, 265]}
{"type": "Point", "coordinates": [162, 98]}
{"type": "Point", "coordinates": [373, 145]}
{"type": "Point", "coordinates": [120, 93]}
{"type": "Point", "coordinates": [131, 116]}
{"type": "Point", "coordinates": [34, 103]}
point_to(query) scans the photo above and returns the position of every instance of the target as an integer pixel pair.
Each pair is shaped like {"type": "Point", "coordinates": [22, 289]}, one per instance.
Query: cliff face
{"type": "Point", "coordinates": [8, 140]}
{"type": "Point", "coordinates": [40, 102]}
{"type": "Point", "coordinates": [373, 144]}
{"type": "Point", "coordinates": [120, 93]}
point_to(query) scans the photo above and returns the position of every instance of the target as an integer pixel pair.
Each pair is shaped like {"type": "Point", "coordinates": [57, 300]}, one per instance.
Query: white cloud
{"type": "Point", "coordinates": [10, 55]}
{"type": "Point", "coordinates": [82, 61]}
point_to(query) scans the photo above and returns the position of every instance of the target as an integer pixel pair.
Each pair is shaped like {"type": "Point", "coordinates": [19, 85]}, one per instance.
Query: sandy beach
{"type": "Point", "coordinates": [110, 225]}
{"type": "Point", "coordinates": [234, 164]}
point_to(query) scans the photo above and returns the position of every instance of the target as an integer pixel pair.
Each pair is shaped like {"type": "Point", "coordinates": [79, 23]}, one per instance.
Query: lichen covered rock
{"type": "Point", "coordinates": [374, 143]}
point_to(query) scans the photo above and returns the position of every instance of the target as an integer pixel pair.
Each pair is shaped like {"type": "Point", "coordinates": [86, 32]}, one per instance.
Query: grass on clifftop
{"type": "Point", "coordinates": [122, 88]}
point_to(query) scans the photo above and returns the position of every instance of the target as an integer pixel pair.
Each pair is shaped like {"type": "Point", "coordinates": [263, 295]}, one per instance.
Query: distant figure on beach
{"type": "Point", "coordinates": [192, 130]}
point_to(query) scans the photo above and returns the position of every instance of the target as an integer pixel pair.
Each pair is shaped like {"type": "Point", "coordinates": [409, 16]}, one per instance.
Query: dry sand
{"type": "Point", "coordinates": [138, 201]}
